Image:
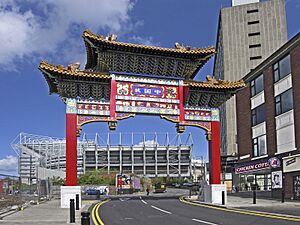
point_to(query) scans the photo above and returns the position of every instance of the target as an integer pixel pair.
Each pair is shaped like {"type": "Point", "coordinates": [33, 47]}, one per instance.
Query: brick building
{"type": "Point", "coordinates": [268, 125]}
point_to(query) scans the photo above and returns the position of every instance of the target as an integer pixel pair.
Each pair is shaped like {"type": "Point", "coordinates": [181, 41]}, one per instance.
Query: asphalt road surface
{"type": "Point", "coordinates": [143, 211]}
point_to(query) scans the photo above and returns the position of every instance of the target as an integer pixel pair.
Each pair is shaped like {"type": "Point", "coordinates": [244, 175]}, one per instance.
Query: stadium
{"type": "Point", "coordinates": [144, 154]}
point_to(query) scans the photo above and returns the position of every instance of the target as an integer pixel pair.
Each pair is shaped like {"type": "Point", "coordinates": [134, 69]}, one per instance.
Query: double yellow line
{"type": "Point", "coordinates": [251, 213]}
{"type": "Point", "coordinates": [95, 213]}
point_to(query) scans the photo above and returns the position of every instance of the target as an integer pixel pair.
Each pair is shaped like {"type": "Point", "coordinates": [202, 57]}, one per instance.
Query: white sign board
{"type": "Point", "coordinates": [276, 179]}
{"type": "Point", "coordinates": [291, 163]}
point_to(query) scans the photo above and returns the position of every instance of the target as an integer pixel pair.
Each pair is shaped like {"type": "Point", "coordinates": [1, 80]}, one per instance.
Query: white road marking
{"type": "Point", "coordinates": [161, 209]}
{"type": "Point", "coordinates": [201, 221]}
{"type": "Point", "coordinates": [143, 201]}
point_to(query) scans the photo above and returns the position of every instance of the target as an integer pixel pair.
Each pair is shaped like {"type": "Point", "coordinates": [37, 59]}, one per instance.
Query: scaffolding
{"type": "Point", "coordinates": [147, 154]}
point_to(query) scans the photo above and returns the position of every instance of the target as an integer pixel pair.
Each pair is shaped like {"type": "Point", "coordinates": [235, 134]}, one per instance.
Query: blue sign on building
{"type": "Point", "coordinates": [138, 90]}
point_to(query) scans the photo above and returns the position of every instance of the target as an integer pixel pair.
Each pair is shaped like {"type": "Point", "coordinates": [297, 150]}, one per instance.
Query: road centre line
{"type": "Point", "coordinates": [143, 201]}
{"type": "Point", "coordinates": [160, 209]}
{"type": "Point", "coordinates": [202, 221]}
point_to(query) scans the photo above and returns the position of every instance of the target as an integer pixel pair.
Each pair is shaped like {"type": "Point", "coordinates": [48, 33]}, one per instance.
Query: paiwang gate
{"type": "Point", "coordinates": [122, 80]}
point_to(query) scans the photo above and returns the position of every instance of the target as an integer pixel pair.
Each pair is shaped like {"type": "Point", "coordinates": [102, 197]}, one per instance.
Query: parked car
{"type": "Point", "coordinates": [92, 191]}
{"type": "Point", "coordinates": [187, 185]}
{"type": "Point", "coordinates": [177, 185]}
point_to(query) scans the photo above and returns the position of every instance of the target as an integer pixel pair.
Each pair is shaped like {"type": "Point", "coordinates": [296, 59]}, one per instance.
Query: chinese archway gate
{"type": "Point", "coordinates": [121, 80]}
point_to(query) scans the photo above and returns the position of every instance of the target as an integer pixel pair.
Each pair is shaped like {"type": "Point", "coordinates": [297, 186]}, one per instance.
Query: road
{"type": "Point", "coordinates": [171, 211]}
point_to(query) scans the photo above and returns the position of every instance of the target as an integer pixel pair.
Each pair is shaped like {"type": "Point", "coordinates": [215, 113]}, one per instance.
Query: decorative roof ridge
{"type": "Point", "coordinates": [212, 82]}
{"type": "Point", "coordinates": [179, 48]}
{"type": "Point", "coordinates": [72, 70]}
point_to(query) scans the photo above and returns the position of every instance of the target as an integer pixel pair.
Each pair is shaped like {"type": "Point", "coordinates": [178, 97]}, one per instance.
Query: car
{"type": "Point", "coordinates": [159, 188]}
{"type": "Point", "coordinates": [177, 185]}
{"type": "Point", "coordinates": [187, 185]}
{"type": "Point", "coordinates": [92, 191]}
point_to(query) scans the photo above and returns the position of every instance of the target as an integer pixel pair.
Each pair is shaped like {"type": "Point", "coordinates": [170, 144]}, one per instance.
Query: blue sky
{"type": "Point", "coordinates": [32, 30]}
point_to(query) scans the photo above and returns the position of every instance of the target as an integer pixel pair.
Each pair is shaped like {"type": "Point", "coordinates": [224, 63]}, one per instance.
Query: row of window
{"type": "Point", "coordinates": [283, 102]}
{"type": "Point", "coordinates": [280, 69]}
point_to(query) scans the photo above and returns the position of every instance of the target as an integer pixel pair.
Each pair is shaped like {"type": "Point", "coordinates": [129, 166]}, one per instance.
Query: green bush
{"type": "Point", "coordinates": [97, 177]}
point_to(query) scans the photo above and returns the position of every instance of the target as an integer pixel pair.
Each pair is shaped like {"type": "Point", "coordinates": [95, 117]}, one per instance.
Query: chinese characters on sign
{"type": "Point", "coordinates": [147, 98]}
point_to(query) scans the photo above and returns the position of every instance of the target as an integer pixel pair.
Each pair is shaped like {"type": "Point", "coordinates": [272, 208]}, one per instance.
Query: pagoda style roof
{"type": "Point", "coordinates": [68, 82]}
{"type": "Point", "coordinates": [211, 93]}
{"type": "Point", "coordinates": [212, 83]}
{"type": "Point", "coordinates": [108, 54]}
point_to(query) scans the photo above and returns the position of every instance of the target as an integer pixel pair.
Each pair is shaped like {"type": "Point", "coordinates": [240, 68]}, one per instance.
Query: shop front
{"type": "Point", "coordinates": [258, 175]}
{"type": "Point", "coordinates": [291, 170]}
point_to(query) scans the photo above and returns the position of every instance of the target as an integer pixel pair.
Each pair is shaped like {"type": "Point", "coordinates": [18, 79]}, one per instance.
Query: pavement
{"type": "Point", "coordinates": [47, 213]}
{"type": "Point", "coordinates": [276, 207]}
{"type": "Point", "coordinates": [265, 205]}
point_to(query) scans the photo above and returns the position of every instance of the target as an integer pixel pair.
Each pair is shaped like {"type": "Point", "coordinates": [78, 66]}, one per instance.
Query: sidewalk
{"type": "Point", "coordinates": [46, 213]}
{"type": "Point", "coordinates": [265, 205]}
{"type": "Point", "coordinates": [288, 208]}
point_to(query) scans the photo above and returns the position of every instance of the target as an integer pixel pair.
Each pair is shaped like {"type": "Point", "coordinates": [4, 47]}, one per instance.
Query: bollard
{"type": "Point", "coordinates": [72, 211]}
{"type": "Point", "coordinates": [77, 202]}
{"type": "Point", "coordinates": [223, 197]}
{"type": "Point", "coordinates": [282, 196]}
{"type": "Point", "coordinates": [254, 197]}
{"type": "Point", "coordinates": [85, 218]}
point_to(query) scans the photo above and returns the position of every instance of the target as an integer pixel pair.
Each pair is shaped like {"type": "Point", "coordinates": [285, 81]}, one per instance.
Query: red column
{"type": "Point", "coordinates": [71, 150]}
{"type": "Point", "coordinates": [113, 93]}
{"type": "Point", "coordinates": [181, 100]}
{"type": "Point", "coordinates": [214, 154]}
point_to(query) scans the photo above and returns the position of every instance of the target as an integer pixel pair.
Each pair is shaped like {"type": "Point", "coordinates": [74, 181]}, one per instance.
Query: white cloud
{"type": "Point", "coordinates": [33, 28]}
{"type": "Point", "coordinates": [144, 40]}
{"type": "Point", "coordinates": [9, 164]}
{"type": "Point", "coordinates": [148, 143]}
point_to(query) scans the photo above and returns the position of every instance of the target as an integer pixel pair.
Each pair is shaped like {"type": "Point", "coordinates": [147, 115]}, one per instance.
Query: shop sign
{"type": "Point", "coordinates": [290, 161]}
{"type": "Point", "coordinates": [274, 162]}
{"type": "Point", "coordinates": [253, 167]}
{"type": "Point", "coordinates": [291, 164]}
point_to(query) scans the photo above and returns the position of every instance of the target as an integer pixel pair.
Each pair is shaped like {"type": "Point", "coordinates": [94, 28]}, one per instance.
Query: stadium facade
{"type": "Point", "coordinates": [145, 154]}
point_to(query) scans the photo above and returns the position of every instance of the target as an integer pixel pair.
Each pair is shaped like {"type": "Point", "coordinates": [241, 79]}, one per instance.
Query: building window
{"type": "Point", "coordinates": [252, 11]}
{"type": "Point", "coordinates": [259, 146]}
{"type": "Point", "coordinates": [255, 46]}
{"type": "Point", "coordinates": [255, 57]}
{"type": "Point", "coordinates": [258, 115]}
{"type": "Point", "coordinates": [257, 85]}
{"type": "Point", "coordinates": [254, 34]}
{"type": "Point", "coordinates": [284, 102]}
{"type": "Point", "coordinates": [282, 68]}
{"type": "Point", "coordinates": [253, 22]}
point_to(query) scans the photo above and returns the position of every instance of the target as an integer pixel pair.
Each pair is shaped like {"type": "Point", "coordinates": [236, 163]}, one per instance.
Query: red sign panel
{"type": "Point", "coordinates": [147, 98]}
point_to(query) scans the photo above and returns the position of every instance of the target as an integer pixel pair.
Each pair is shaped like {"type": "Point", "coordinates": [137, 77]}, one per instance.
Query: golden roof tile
{"type": "Point", "coordinates": [72, 70]}
{"type": "Point", "coordinates": [215, 84]}
{"type": "Point", "coordinates": [180, 49]}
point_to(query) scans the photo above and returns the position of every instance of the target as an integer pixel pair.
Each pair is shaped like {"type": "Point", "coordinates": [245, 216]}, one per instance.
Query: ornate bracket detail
{"type": "Point", "coordinates": [208, 135]}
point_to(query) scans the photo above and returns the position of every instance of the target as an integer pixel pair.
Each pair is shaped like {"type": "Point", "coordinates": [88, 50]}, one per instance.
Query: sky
{"type": "Point", "coordinates": [34, 30]}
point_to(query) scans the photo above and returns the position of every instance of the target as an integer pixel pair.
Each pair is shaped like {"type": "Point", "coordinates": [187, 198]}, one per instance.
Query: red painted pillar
{"type": "Point", "coordinates": [71, 150]}
{"type": "Point", "coordinates": [181, 100]}
{"type": "Point", "coordinates": [214, 154]}
{"type": "Point", "coordinates": [113, 93]}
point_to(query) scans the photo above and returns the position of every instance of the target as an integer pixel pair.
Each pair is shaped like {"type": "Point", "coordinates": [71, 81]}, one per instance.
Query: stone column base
{"type": "Point", "coordinates": [67, 193]}
{"type": "Point", "coordinates": [213, 193]}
